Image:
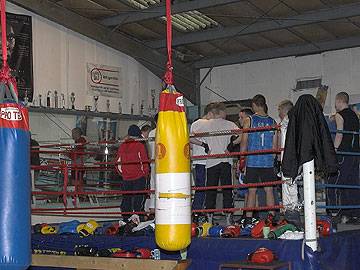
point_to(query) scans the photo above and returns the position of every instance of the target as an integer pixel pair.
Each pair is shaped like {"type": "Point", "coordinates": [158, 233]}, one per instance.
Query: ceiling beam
{"type": "Point", "coordinates": [159, 11]}
{"type": "Point", "coordinates": [153, 60]}
{"type": "Point", "coordinates": [271, 53]}
{"type": "Point", "coordinates": [328, 14]}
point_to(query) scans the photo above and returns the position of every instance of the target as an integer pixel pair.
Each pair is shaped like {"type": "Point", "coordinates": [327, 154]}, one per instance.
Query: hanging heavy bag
{"type": "Point", "coordinates": [15, 239]}
{"type": "Point", "coordinates": [173, 184]}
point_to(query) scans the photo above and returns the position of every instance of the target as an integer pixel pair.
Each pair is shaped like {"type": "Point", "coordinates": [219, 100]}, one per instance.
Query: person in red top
{"type": "Point", "coordinates": [134, 168]}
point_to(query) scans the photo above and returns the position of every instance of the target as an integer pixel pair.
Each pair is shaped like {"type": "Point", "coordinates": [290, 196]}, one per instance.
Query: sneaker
{"type": "Point", "coordinates": [336, 219]}
{"type": "Point", "coordinates": [293, 217]}
{"type": "Point", "coordinates": [353, 220]}
{"type": "Point", "coordinates": [344, 219]}
{"type": "Point", "coordinates": [199, 218]}
{"type": "Point", "coordinates": [195, 218]}
{"type": "Point", "coordinates": [248, 221]}
{"type": "Point", "coordinates": [210, 218]}
{"type": "Point", "coordinates": [246, 229]}
{"type": "Point", "coordinates": [240, 221]}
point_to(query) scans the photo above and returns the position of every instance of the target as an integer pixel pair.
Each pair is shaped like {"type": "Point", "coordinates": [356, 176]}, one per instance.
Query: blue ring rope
{"type": "Point", "coordinates": [348, 153]}
{"type": "Point", "coordinates": [337, 186]}
{"type": "Point", "coordinates": [345, 132]}
{"type": "Point", "coordinates": [338, 206]}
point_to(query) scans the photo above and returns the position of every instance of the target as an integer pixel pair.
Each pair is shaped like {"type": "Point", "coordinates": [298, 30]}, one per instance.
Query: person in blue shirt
{"type": "Point", "coordinates": [259, 168]}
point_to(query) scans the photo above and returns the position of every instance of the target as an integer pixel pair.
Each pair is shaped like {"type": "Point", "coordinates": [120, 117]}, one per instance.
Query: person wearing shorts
{"type": "Point", "coordinates": [259, 168]}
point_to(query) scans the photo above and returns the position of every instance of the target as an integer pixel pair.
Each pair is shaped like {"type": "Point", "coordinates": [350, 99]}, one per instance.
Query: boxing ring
{"type": "Point", "coordinates": [61, 189]}
{"type": "Point", "coordinates": [335, 251]}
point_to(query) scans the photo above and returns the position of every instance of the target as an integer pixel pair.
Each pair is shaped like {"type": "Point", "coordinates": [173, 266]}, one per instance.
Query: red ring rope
{"type": "Point", "coordinates": [232, 154]}
{"type": "Point", "coordinates": [235, 131]}
{"type": "Point", "coordinates": [168, 77]}
{"type": "Point", "coordinates": [195, 135]}
{"type": "Point", "coordinates": [259, 208]}
{"type": "Point", "coordinates": [146, 191]}
{"type": "Point", "coordinates": [75, 208]}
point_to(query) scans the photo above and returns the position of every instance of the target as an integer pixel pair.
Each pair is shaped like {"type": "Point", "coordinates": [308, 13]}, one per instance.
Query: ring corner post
{"type": "Point", "coordinates": [310, 205]}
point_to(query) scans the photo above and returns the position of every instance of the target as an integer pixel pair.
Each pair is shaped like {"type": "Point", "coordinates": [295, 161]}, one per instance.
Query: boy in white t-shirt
{"type": "Point", "coordinates": [150, 202]}
{"type": "Point", "coordinates": [219, 169]}
{"type": "Point", "coordinates": [200, 148]}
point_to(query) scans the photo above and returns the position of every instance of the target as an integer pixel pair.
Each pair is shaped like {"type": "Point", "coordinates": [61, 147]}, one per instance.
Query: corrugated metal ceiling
{"type": "Point", "coordinates": [189, 21]}
{"type": "Point", "coordinates": [244, 14]}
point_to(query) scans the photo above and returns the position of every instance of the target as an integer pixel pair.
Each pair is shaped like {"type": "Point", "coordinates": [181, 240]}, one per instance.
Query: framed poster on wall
{"type": "Point", "coordinates": [19, 51]}
{"type": "Point", "coordinates": [106, 129]}
{"type": "Point", "coordinates": [104, 80]}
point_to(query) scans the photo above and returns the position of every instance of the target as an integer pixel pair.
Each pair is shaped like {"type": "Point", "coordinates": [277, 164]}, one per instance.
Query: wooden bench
{"type": "Point", "coordinates": [87, 263]}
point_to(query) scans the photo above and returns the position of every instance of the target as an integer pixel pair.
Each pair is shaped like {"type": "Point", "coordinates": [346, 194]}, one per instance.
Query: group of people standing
{"type": "Point", "coordinates": [257, 168]}
{"type": "Point", "coordinates": [265, 167]}
{"type": "Point", "coordinates": [140, 173]}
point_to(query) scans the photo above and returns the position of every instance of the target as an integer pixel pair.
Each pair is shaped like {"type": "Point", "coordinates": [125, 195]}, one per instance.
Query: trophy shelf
{"type": "Point", "coordinates": [109, 115]}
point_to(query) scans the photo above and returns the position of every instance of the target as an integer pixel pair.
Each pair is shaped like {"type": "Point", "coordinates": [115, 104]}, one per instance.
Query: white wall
{"type": "Point", "coordinates": [59, 63]}
{"type": "Point", "coordinates": [275, 78]}
{"type": "Point", "coordinates": [60, 56]}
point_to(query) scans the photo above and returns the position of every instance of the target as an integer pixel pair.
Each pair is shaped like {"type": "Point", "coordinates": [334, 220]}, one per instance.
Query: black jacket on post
{"type": "Point", "coordinates": [308, 137]}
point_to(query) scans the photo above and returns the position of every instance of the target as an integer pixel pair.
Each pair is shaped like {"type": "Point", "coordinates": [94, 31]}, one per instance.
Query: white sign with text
{"type": "Point", "coordinates": [104, 80]}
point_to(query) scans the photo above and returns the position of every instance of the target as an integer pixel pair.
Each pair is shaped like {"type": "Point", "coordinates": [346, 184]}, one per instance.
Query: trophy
{"type": "Point", "coordinates": [34, 102]}
{"type": "Point", "coordinates": [63, 101]}
{"type": "Point", "coordinates": [40, 102]}
{"type": "Point", "coordinates": [108, 105]}
{"type": "Point", "coordinates": [153, 96]}
{"type": "Point", "coordinates": [142, 108]}
{"type": "Point", "coordinates": [120, 107]}
{"type": "Point", "coordinates": [72, 100]}
{"type": "Point", "coordinates": [56, 99]}
{"type": "Point", "coordinates": [132, 109]}
{"type": "Point", "coordinates": [96, 98]}
{"type": "Point", "coordinates": [26, 99]}
{"type": "Point", "coordinates": [152, 109]}
{"type": "Point", "coordinates": [48, 99]}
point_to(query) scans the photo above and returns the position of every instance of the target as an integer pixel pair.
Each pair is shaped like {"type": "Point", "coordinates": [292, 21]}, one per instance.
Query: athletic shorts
{"type": "Point", "coordinates": [259, 175]}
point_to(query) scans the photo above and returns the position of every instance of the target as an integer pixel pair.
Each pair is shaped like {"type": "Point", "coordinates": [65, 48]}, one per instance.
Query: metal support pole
{"type": "Point", "coordinates": [33, 185]}
{"type": "Point", "coordinates": [107, 138]}
{"type": "Point", "coordinates": [310, 205]}
{"type": "Point", "coordinates": [66, 181]}
{"type": "Point", "coordinates": [283, 130]}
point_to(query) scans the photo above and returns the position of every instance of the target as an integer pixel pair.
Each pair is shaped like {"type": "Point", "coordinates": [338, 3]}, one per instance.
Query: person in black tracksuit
{"type": "Point", "coordinates": [348, 173]}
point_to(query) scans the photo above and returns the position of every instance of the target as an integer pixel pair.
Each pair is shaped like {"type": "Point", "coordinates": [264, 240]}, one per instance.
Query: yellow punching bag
{"type": "Point", "coordinates": [173, 197]}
